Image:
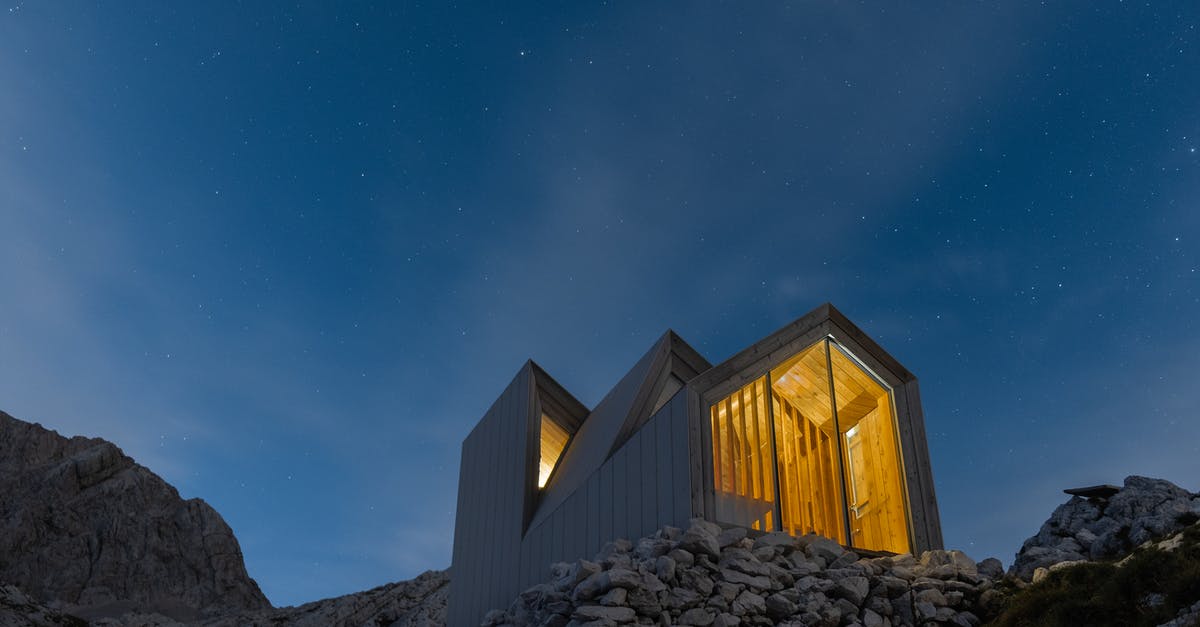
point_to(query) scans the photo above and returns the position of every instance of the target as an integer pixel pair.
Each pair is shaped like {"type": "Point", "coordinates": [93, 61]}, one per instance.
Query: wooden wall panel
{"type": "Point", "coordinates": [633, 489]}
{"type": "Point", "coordinates": [681, 479]}
{"type": "Point", "coordinates": [593, 516]}
{"type": "Point", "coordinates": [648, 480]}
{"type": "Point", "coordinates": [606, 503]}
{"type": "Point", "coordinates": [619, 506]}
{"type": "Point", "coordinates": [663, 471]}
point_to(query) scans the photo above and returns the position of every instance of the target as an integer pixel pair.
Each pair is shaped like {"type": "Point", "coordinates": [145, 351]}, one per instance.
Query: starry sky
{"type": "Point", "coordinates": [287, 256]}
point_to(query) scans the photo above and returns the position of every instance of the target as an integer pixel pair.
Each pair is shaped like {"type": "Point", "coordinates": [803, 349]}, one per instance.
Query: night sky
{"type": "Point", "coordinates": [287, 257]}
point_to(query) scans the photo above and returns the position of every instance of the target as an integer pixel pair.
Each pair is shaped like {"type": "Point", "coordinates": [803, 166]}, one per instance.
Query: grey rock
{"type": "Point", "coordinates": [991, 568]}
{"type": "Point", "coordinates": [699, 539]}
{"type": "Point", "coordinates": [731, 536]}
{"type": "Point", "coordinates": [931, 596]}
{"type": "Point", "coordinates": [853, 589]}
{"type": "Point", "coordinates": [682, 558]}
{"type": "Point", "coordinates": [616, 596]}
{"type": "Point", "coordinates": [664, 568]}
{"type": "Point", "coordinates": [644, 602]}
{"type": "Point", "coordinates": [598, 612]}
{"type": "Point", "coordinates": [776, 539]}
{"type": "Point", "coordinates": [419, 602]}
{"type": "Point", "coordinates": [780, 606]}
{"type": "Point", "coordinates": [683, 598]}
{"type": "Point", "coordinates": [728, 591]}
{"type": "Point", "coordinates": [870, 618]}
{"type": "Point", "coordinates": [698, 581]}
{"type": "Point", "coordinates": [651, 548]}
{"type": "Point", "coordinates": [1105, 528]}
{"type": "Point", "coordinates": [757, 582]}
{"type": "Point", "coordinates": [825, 549]}
{"type": "Point", "coordinates": [103, 535]}
{"type": "Point", "coordinates": [696, 616]}
{"type": "Point", "coordinates": [725, 619]}
{"type": "Point", "coordinates": [17, 609]}
{"type": "Point", "coordinates": [747, 604]}
{"type": "Point", "coordinates": [924, 610]}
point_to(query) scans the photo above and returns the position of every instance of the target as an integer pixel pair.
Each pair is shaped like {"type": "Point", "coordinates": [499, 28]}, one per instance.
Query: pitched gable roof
{"type": "Point", "coordinates": [623, 410]}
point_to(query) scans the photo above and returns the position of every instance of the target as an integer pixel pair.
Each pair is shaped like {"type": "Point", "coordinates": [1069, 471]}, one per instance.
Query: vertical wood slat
{"type": "Point", "coordinates": [663, 467]}
{"type": "Point", "coordinates": [633, 489]}
{"type": "Point", "coordinates": [593, 515]}
{"type": "Point", "coordinates": [514, 487]}
{"type": "Point", "coordinates": [620, 517]}
{"type": "Point", "coordinates": [649, 481]}
{"type": "Point", "coordinates": [576, 531]}
{"type": "Point", "coordinates": [606, 503]}
{"type": "Point", "coordinates": [556, 535]}
{"type": "Point", "coordinates": [688, 486]}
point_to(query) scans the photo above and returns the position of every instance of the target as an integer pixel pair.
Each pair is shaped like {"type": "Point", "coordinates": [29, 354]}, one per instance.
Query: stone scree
{"type": "Point", "coordinates": [723, 577]}
{"type": "Point", "coordinates": [1102, 529]}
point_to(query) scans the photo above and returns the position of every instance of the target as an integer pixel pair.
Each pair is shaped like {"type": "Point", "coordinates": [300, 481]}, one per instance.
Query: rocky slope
{"type": "Point", "coordinates": [707, 575]}
{"type": "Point", "coordinates": [1104, 528]}
{"type": "Point", "coordinates": [85, 528]}
{"type": "Point", "coordinates": [419, 602]}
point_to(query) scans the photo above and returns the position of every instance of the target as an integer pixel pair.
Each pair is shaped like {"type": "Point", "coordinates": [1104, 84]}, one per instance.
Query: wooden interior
{"type": "Point", "coordinates": [839, 473]}
{"type": "Point", "coordinates": [553, 441]}
{"type": "Point", "coordinates": [872, 458]}
{"type": "Point", "coordinates": [743, 471]}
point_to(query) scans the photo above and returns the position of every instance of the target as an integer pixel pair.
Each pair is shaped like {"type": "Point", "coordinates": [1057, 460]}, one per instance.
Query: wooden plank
{"type": "Point", "coordinates": [605, 502]}
{"type": "Point", "coordinates": [619, 506]}
{"type": "Point", "coordinates": [575, 527]}
{"type": "Point", "coordinates": [683, 492]}
{"type": "Point", "coordinates": [663, 470]}
{"type": "Point", "coordinates": [649, 480]}
{"type": "Point", "coordinates": [593, 516]}
{"type": "Point", "coordinates": [695, 456]}
{"type": "Point", "coordinates": [633, 489]}
{"type": "Point", "coordinates": [927, 499]}
{"type": "Point", "coordinates": [557, 546]}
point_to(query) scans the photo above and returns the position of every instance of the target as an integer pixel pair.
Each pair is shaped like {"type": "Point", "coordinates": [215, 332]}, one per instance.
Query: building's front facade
{"type": "Point", "coordinates": [812, 429]}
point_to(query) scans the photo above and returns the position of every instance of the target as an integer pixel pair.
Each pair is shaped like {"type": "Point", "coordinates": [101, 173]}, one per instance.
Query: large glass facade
{"type": "Point", "coordinates": [819, 429]}
{"type": "Point", "coordinates": [743, 456]}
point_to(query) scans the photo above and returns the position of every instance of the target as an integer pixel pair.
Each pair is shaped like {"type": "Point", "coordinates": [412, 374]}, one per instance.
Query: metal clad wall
{"type": "Point", "coordinates": [662, 464]}
{"type": "Point", "coordinates": [487, 564]}
{"type": "Point", "coordinates": [593, 515]}
{"type": "Point", "coordinates": [633, 489]}
{"type": "Point", "coordinates": [638, 490]}
{"type": "Point", "coordinates": [649, 480]}
{"type": "Point", "coordinates": [681, 479]}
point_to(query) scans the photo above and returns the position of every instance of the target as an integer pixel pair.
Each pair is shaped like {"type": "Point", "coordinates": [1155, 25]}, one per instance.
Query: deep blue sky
{"type": "Point", "coordinates": [286, 257]}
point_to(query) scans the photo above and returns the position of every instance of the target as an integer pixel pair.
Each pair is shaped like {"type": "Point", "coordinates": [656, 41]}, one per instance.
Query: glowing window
{"type": "Point", "coordinates": [821, 430]}
{"type": "Point", "coordinates": [553, 441]}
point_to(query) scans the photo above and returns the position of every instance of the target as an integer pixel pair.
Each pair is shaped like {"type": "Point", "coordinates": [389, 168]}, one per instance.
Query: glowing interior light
{"type": "Point", "coordinates": [553, 441]}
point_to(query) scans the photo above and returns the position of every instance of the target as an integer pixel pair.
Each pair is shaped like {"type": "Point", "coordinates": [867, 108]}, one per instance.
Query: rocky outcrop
{"type": "Point", "coordinates": [709, 576]}
{"type": "Point", "coordinates": [1089, 529]}
{"type": "Point", "coordinates": [18, 610]}
{"type": "Point", "coordinates": [86, 530]}
{"type": "Point", "coordinates": [419, 602]}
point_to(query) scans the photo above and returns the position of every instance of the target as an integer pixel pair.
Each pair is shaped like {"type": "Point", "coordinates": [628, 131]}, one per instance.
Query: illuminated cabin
{"type": "Point", "coordinates": [814, 429]}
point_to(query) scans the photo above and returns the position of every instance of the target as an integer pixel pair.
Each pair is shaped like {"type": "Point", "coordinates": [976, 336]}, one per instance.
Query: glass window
{"type": "Point", "coordinates": [553, 441]}
{"type": "Point", "coordinates": [867, 422]}
{"type": "Point", "coordinates": [808, 446]}
{"type": "Point", "coordinates": [828, 437]}
{"type": "Point", "coordinates": [743, 467]}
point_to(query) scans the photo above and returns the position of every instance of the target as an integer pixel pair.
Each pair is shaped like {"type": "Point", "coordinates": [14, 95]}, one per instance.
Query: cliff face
{"type": "Point", "coordinates": [84, 527]}
{"type": "Point", "coordinates": [1104, 528]}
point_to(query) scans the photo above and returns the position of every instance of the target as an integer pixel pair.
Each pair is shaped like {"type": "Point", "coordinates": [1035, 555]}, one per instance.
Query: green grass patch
{"type": "Point", "coordinates": [1149, 589]}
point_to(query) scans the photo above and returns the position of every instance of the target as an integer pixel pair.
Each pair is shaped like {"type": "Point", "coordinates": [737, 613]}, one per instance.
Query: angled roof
{"type": "Point", "coordinates": [623, 410]}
